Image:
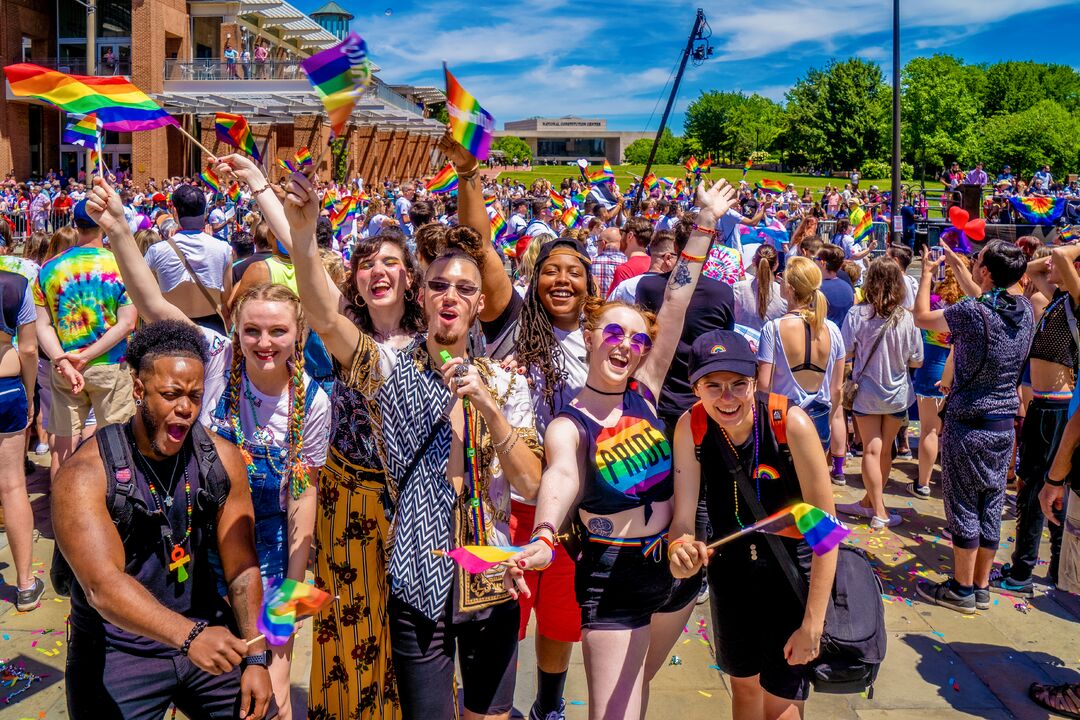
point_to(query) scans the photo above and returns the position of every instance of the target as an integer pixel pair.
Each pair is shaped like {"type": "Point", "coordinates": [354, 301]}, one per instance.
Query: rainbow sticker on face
{"type": "Point", "coordinates": [717, 349]}
{"type": "Point", "coordinates": [766, 472]}
{"type": "Point", "coordinates": [632, 456]}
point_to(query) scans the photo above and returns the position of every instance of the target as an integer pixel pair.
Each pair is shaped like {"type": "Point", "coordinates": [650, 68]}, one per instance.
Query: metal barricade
{"type": "Point", "coordinates": [23, 225]}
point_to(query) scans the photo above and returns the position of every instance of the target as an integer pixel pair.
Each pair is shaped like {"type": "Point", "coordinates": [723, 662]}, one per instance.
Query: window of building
{"type": "Point", "coordinates": [113, 19]}
{"type": "Point", "coordinates": [284, 136]}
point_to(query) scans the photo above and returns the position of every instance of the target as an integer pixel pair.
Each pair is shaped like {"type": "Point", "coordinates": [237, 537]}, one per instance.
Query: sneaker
{"type": "Point", "coordinates": [877, 523]}
{"type": "Point", "coordinates": [855, 450]}
{"type": "Point", "coordinates": [838, 478]}
{"type": "Point", "coordinates": [903, 453]}
{"type": "Point", "coordinates": [982, 598]}
{"type": "Point", "coordinates": [559, 714]}
{"type": "Point", "coordinates": [41, 448]}
{"type": "Point", "coordinates": [703, 593]}
{"type": "Point", "coordinates": [941, 594]}
{"type": "Point", "coordinates": [919, 491]}
{"type": "Point", "coordinates": [855, 510]}
{"type": "Point", "coordinates": [1005, 584]}
{"type": "Point", "coordinates": [27, 600]}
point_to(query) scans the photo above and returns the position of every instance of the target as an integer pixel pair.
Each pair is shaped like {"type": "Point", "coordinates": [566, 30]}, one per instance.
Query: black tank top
{"type": "Point", "coordinates": [146, 560]}
{"type": "Point", "coordinates": [12, 292]}
{"type": "Point", "coordinates": [1053, 340]}
{"type": "Point", "coordinates": [627, 465]}
{"type": "Point", "coordinates": [773, 479]}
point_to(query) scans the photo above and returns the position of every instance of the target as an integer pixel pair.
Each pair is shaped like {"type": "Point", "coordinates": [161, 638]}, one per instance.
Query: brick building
{"type": "Point", "coordinates": [174, 50]}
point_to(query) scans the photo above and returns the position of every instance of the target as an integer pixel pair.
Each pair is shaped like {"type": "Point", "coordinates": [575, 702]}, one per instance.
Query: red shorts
{"type": "Point", "coordinates": [558, 616]}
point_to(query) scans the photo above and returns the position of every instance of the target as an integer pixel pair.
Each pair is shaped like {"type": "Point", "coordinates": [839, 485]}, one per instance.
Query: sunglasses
{"type": "Point", "coordinates": [465, 290]}
{"type": "Point", "coordinates": [614, 335]}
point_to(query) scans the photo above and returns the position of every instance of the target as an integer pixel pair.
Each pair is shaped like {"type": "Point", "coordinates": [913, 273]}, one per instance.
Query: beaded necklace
{"type": "Point", "coordinates": [244, 444]}
{"type": "Point", "coordinates": [178, 556]}
{"type": "Point", "coordinates": [261, 435]}
{"type": "Point", "coordinates": [742, 468]}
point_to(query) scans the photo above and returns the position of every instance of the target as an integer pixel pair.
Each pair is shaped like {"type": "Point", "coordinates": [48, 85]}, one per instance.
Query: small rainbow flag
{"type": "Point", "coordinates": [771, 186]}
{"type": "Point", "coordinates": [1068, 234]}
{"type": "Point", "coordinates": [446, 180]}
{"type": "Point", "coordinates": [650, 182]}
{"type": "Point", "coordinates": [1038, 209]}
{"type": "Point", "coordinates": [821, 530]}
{"type": "Point", "coordinates": [470, 124]}
{"type": "Point", "coordinates": [557, 200]}
{"type": "Point", "coordinates": [234, 130]}
{"type": "Point", "coordinates": [210, 178]}
{"type": "Point", "coordinates": [706, 164]}
{"type": "Point", "coordinates": [571, 217]}
{"type": "Point", "coordinates": [481, 558]}
{"type": "Point", "coordinates": [498, 226]}
{"type": "Point", "coordinates": [607, 170]}
{"type": "Point", "coordinates": [339, 75]}
{"type": "Point", "coordinates": [233, 193]}
{"type": "Point", "coordinates": [303, 156]}
{"type": "Point", "coordinates": [82, 131]}
{"type": "Point", "coordinates": [692, 165]}
{"type": "Point", "coordinates": [329, 199]}
{"type": "Point", "coordinates": [119, 105]}
{"type": "Point", "coordinates": [580, 197]}
{"type": "Point", "coordinates": [284, 603]}
{"type": "Point", "coordinates": [861, 224]}
{"type": "Point", "coordinates": [669, 181]}
{"type": "Point", "coordinates": [340, 218]}
{"type": "Point", "coordinates": [95, 157]}
{"type": "Point", "coordinates": [746, 167]}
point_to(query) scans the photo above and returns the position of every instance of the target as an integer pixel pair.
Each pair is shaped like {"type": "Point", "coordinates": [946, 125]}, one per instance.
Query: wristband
{"type": "Point", "coordinates": [1054, 483]}
{"type": "Point", "coordinates": [546, 526]}
{"type": "Point", "coordinates": [706, 230]}
{"type": "Point", "coordinates": [693, 258]}
{"type": "Point", "coordinates": [469, 174]}
{"type": "Point", "coordinates": [674, 544]}
{"type": "Point", "coordinates": [199, 627]}
{"type": "Point", "coordinates": [549, 543]}
{"type": "Point", "coordinates": [263, 189]}
{"type": "Point", "coordinates": [261, 659]}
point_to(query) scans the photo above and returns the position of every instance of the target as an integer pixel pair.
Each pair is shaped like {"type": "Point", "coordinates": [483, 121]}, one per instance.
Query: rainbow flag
{"type": "Point", "coordinates": [498, 226]}
{"type": "Point", "coordinates": [650, 182]}
{"type": "Point", "coordinates": [234, 130]}
{"type": "Point", "coordinates": [481, 558]}
{"type": "Point", "coordinates": [746, 167]}
{"type": "Point", "coordinates": [233, 193]}
{"type": "Point", "coordinates": [82, 131]}
{"type": "Point", "coordinates": [210, 178]}
{"type": "Point", "coordinates": [771, 186]}
{"type": "Point", "coordinates": [340, 217]}
{"type": "Point", "coordinates": [95, 158]}
{"type": "Point", "coordinates": [580, 197]}
{"type": "Point", "coordinates": [571, 217]}
{"type": "Point", "coordinates": [339, 76]}
{"type": "Point", "coordinates": [607, 170]}
{"type": "Point", "coordinates": [1038, 209]}
{"type": "Point", "coordinates": [329, 199]}
{"type": "Point", "coordinates": [119, 105]}
{"type": "Point", "coordinates": [446, 180]}
{"type": "Point", "coordinates": [284, 603]}
{"type": "Point", "coordinates": [821, 530]}
{"type": "Point", "coordinates": [470, 124]}
{"type": "Point", "coordinates": [557, 200]}
{"type": "Point", "coordinates": [1068, 234]}
{"type": "Point", "coordinates": [303, 156]}
{"type": "Point", "coordinates": [692, 165]}
{"type": "Point", "coordinates": [669, 181]}
{"type": "Point", "coordinates": [706, 164]}
{"type": "Point", "coordinates": [861, 224]}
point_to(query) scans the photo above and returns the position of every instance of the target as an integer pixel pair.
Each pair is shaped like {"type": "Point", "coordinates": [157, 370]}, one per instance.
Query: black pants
{"type": "Point", "coordinates": [423, 653]}
{"type": "Point", "coordinates": [104, 683]}
{"type": "Point", "coordinates": [1039, 440]}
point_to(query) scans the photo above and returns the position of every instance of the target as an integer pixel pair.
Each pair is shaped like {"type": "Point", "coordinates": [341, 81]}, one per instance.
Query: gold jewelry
{"type": "Point", "coordinates": [263, 189]}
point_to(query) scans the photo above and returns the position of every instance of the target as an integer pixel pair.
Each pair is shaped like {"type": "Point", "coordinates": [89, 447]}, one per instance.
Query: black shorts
{"type": "Point", "coordinates": [754, 613]}
{"type": "Point", "coordinates": [423, 652]}
{"type": "Point", "coordinates": [108, 683]}
{"type": "Point", "coordinates": [620, 587]}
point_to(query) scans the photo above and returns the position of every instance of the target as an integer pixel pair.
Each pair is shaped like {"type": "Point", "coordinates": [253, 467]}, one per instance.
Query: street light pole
{"type": "Point", "coordinates": [897, 226]}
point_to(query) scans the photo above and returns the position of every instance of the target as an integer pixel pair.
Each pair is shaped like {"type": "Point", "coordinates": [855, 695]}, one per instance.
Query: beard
{"type": "Point", "coordinates": [152, 426]}
{"type": "Point", "coordinates": [447, 339]}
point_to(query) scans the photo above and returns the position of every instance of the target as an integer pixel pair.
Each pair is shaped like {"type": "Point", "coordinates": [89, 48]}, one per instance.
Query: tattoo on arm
{"type": "Point", "coordinates": [239, 597]}
{"type": "Point", "coordinates": [681, 276]}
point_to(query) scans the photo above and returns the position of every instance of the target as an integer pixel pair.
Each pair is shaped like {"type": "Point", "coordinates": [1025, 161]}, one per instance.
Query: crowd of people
{"type": "Point", "coordinates": [235, 393]}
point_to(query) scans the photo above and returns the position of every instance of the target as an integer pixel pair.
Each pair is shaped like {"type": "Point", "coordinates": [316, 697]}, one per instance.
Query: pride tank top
{"type": "Point", "coordinates": [628, 465]}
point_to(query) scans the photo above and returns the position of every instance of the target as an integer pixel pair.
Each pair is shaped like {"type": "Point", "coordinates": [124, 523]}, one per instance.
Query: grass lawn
{"type": "Point", "coordinates": [556, 173]}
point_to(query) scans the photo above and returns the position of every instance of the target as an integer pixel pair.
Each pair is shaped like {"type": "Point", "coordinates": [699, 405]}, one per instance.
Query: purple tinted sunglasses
{"type": "Point", "coordinates": [614, 335]}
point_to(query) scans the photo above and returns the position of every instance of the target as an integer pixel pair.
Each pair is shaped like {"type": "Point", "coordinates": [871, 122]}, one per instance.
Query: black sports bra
{"type": "Point", "coordinates": [806, 364]}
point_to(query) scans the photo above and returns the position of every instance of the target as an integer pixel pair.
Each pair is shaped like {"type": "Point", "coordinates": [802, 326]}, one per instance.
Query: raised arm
{"type": "Point", "coordinates": [472, 213]}
{"type": "Point", "coordinates": [714, 202]}
{"type": "Point", "coordinates": [1065, 258]}
{"type": "Point", "coordinates": [104, 206]}
{"type": "Point", "coordinates": [270, 205]}
{"type": "Point", "coordinates": [925, 318]}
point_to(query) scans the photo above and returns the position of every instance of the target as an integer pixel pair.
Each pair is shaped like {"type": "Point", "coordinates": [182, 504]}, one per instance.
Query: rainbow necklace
{"type": "Point", "coordinates": [742, 468]}
{"type": "Point", "coordinates": [178, 556]}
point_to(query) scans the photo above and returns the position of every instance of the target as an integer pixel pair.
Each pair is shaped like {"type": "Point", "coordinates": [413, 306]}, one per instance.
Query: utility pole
{"type": "Point", "coordinates": [91, 65]}
{"type": "Point", "coordinates": [897, 224]}
{"type": "Point", "coordinates": [699, 23]}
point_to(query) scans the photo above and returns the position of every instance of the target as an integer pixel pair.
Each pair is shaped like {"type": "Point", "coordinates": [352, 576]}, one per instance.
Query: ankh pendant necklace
{"type": "Point", "coordinates": [178, 556]}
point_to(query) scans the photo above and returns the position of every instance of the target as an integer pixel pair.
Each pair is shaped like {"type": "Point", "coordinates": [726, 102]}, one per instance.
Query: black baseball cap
{"type": "Point", "coordinates": [720, 350]}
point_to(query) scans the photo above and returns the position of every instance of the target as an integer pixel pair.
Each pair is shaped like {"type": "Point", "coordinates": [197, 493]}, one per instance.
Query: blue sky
{"type": "Point", "coordinates": [615, 59]}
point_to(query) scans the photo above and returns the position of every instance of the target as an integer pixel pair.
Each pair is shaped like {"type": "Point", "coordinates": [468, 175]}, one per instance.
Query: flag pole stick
{"type": "Point", "coordinates": [191, 137]}
{"type": "Point", "coordinates": [262, 636]}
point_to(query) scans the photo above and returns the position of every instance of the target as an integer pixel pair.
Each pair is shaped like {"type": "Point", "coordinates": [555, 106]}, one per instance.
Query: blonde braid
{"type": "Point", "coordinates": [299, 475]}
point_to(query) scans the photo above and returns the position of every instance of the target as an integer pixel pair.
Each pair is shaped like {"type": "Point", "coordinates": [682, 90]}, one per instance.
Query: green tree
{"type": "Point", "coordinates": [1043, 134]}
{"type": "Point", "coordinates": [732, 124]}
{"type": "Point", "coordinates": [513, 147]}
{"type": "Point", "coordinates": [668, 152]}
{"type": "Point", "coordinates": [1016, 86]}
{"type": "Point", "coordinates": [940, 107]}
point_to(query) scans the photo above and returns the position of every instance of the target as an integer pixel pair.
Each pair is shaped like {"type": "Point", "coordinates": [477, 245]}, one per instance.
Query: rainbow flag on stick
{"type": "Point", "coordinates": [446, 180]}
{"type": "Point", "coordinates": [480, 558]}
{"type": "Point", "coordinates": [692, 165]}
{"type": "Point", "coordinates": [339, 75]}
{"type": "Point", "coordinates": [771, 186]}
{"type": "Point", "coordinates": [746, 167]}
{"type": "Point", "coordinates": [706, 164]}
{"type": "Point", "coordinates": [303, 156]}
{"type": "Point", "coordinates": [119, 105]}
{"type": "Point", "coordinates": [1039, 210]}
{"type": "Point", "coordinates": [470, 124]}
{"type": "Point", "coordinates": [571, 217]}
{"type": "Point", "coordinates": [650, 182]}
{"type": "Point", "coordinates": [821, 530]}
{"type": "Point", "coordinates": [82, 131]}
{"type": "Point", "coordinates": [211, 179]}
{"type": "Point", "coordinates": [233, 193]}
{"type": "Point", "coordinates": [1068, 234]}
{"type": "Point", "coordinates": [557, 200]}
{"type": "Point", "coordinates": [861, 224]}
{"type": "Point", "coordinates": [234, 130]}
{"type": "Point", "coordinates": [284, 603]}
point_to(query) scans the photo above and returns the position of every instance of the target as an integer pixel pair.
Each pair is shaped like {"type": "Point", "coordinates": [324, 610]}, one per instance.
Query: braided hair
{"type": "Point", "coordinates": [298, 470]}
{"type": "Point", "coordinates": [537, 347]}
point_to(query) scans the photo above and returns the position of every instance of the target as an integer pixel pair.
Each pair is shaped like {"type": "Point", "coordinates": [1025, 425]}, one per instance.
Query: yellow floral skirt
{"type": "Point", "coordinates": [352, 675]}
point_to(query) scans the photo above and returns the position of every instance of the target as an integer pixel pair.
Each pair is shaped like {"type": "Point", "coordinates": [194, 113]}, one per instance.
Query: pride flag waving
{"type": "Point", "coordinates": [339, 76]}
{"type": "Point", "coordinates": [822, 531]}
{"type": "Point", "coordinates": [284, 603]}
{"type": "Point", "coordinates": [82, 131]}
{"type": "Point", "coordinates": [234, 130]}
{"type": "Point", "coordinates": [470, 124]}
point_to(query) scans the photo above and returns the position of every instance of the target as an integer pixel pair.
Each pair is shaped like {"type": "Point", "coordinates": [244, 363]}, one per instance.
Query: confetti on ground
{"type": "Point", "coordinates": [675, 660]}
{"type": "Point", "coordinates": [704, 694]}
{"type": "Point", "coordinates": [577, 702]}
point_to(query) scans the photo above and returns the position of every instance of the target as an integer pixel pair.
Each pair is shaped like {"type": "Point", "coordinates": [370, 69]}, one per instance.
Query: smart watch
{"type": "Point", "coordinates": [261, 659]}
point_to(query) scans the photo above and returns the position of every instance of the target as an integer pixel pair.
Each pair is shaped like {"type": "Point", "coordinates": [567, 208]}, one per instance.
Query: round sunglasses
{"type": "Point", "coordinates": [614, 334]}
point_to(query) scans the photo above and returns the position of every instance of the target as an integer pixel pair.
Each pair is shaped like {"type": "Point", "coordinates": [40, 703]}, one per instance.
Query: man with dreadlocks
{"type": "Point", "coordinates": [258, 396]}
{"type": "Point", "coordinates": [543, 333]}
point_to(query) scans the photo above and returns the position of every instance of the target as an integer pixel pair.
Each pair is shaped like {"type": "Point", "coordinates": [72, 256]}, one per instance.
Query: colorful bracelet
{"type": "Point", "coordinates": [693, 258]}
{"type": "Point", "coordinates": [541, 538]}
{"type": "Point", "coordinates": [674, 544]}
{"type": "Point", "coordinates": [706, 230]}
{"type": "Point", "coordinates": [546, 526]}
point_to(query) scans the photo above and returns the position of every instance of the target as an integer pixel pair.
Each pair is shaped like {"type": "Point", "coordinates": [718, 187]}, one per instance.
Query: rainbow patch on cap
{"type": "Point", "coordinates": [717, 349]}
{"type": "Point", "coordinates": [766, 472]}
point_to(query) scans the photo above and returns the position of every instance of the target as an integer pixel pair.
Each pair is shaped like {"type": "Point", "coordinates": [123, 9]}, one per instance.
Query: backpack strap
{"type": "Point", "coordinates": [699, 425]}
{"type": "Point", "coordinates": [216, 484]}
{"type": "Point", "coordinates": [119, 474]}
{"type": "Point", "coordinates": [778, 406]}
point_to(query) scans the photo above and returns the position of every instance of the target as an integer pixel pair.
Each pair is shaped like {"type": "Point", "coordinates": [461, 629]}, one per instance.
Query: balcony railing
{"type": "Point", "coordinates": [219, 69]}
{"type": "Point", "coordinates": [77, 66]}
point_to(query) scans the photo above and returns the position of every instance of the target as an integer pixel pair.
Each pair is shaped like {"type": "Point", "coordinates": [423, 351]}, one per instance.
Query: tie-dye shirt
{"type": "Point", "coordinates": [83, 291]}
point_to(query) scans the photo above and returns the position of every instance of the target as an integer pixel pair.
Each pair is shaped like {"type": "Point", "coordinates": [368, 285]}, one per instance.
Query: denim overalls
{"type": "Point", "coordinates": [269, 494]}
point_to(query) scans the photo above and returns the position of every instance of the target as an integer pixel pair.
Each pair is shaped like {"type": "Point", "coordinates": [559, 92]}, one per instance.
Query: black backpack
{"type": "Point", "coordinates": [854, 640]}
{"type": "Point", "coordinates": [114, 444]}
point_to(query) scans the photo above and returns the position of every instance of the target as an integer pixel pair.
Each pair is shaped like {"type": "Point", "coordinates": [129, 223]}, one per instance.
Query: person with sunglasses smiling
{"type": "Point", "coordinates": [609, 468]}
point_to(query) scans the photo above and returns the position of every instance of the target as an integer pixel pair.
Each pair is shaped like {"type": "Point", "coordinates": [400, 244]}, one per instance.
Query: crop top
{"type": "Point", "coordinates": [1053, 340]}
{"type": "Point", "coordinates": [628, 464]}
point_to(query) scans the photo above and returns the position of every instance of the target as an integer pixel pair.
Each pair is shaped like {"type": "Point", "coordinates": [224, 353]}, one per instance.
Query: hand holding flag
{"type": "Point", "coordinates": [284, 603]}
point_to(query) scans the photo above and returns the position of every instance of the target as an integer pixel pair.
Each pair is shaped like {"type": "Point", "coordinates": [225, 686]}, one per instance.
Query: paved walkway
{"type": "Point", "coordinates": [940, 664]}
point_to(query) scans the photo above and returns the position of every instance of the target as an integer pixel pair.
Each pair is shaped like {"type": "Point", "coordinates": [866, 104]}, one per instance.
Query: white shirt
{"type": "Point", "coordinates": [402, 206]}
{"type": "Point", "coordinates": [517, 224]}
{"type": "Point", "coordinates": [539, 227]}
{"type": "Point", "coordinates": [209, 257]}
{"type": "Point", "coordinates": [626, 291]}
{"type": "Point", "coordinates": [770, 350]}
